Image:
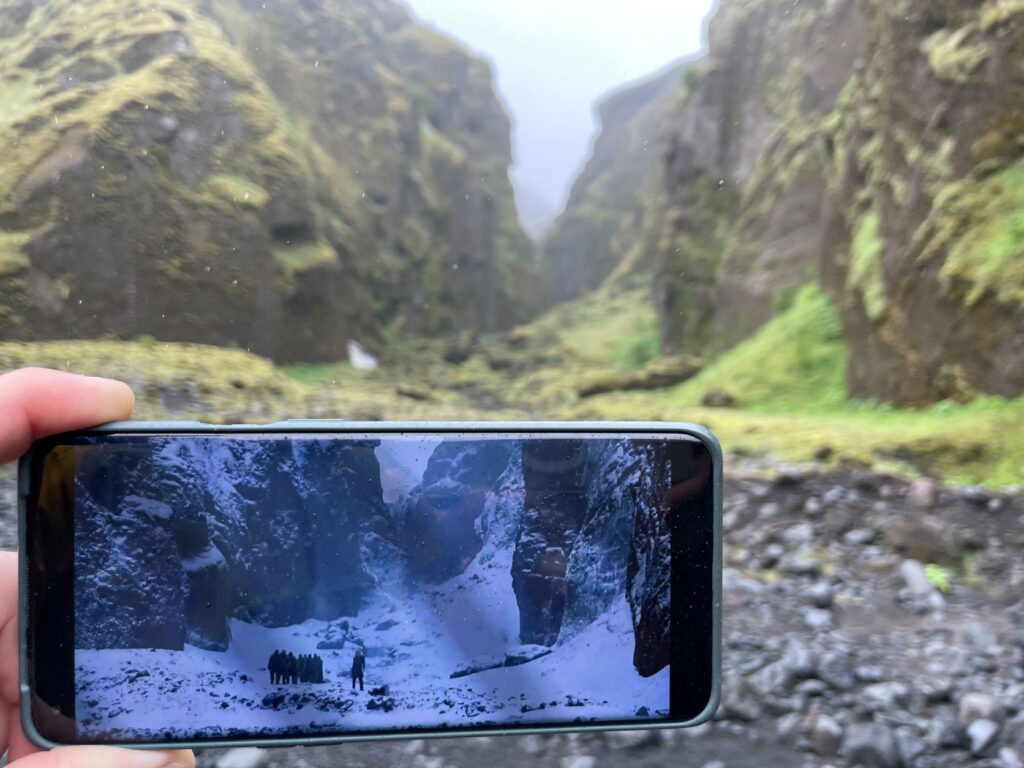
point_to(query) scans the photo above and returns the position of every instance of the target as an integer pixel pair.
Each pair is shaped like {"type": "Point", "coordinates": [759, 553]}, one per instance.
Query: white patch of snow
{"type": "Point", "coordinates": [359, 357]}
{"type": "Point", "coordinates": [152, 507]}
{"type": "Point", "coordinates": [209, 557]}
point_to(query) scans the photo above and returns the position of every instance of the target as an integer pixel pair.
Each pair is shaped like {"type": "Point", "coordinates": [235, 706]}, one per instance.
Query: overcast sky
{"type": "Point", "coordinates": [554, 59]}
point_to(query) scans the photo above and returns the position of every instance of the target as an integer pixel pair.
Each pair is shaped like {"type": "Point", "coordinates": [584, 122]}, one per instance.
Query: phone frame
{"type": "Point", "coordinates": [325, 426]}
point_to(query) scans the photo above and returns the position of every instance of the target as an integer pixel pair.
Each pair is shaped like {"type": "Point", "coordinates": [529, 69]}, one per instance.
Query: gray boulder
{"type": "Point", "coordinates": [871, 745]}
{"type": "Point", "coordinates": [826, 736]}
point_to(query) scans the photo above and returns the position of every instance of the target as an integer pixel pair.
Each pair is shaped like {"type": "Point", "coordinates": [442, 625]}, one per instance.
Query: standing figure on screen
{"type": "Point", "coordinates": [274, 667]}
{"type": "Point", "coordinates": [292, 671]}
{"type": "Point", "coordinates": [358, 665]}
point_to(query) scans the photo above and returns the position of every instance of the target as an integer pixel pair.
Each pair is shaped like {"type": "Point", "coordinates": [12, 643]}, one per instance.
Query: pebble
{"type": "Point", "coordinates": [923, 493]}
{"type": "Point", "coordinates": [889, 695]}
{"type": "Point", "coordinates": [979, 636]}
{"type": "Point", "coordinates": [811, 688]}
{"type": "Point", "coordinates": [799, 661]}
{"type": "Point", "coordinates": [799, 565]}
{"type": "Point", "coordinates": [869, 673]}
{"type": "Point", "coordinates": [799, 534]}
{"type": "Point", "coordinates": [771, 678]}
{"type": "Point", "coordinates": [980, 706]}
{"type": "Point", "coordinates": [982, 735]}
{"type": "Point", "coordinates": [871, 745]}
{"type": "Point", "coordinates": [578, 761]}
{"type": "Point", "coordinates": [714, 764]}
{"type": "Point", "coordinates": [858, 537]}
{"type": "Point", "coordinates": [817, 619]}
{"type": "Point", "coordinates": [787, 729]}
{"type": "Point", "coordinates": [832, 495]}
{"type": "Point", "coordinates": [631, 739]}
{"type": "Point", "coordinates": [916, 579]}
{"type": "Point", "coordinates": [827, 736]}
{"type": "Point", "coordinates": [820, 594]}
{"type": "Point", "coordinates": [771, 555]}
{"type": "Point", "coordinates": [910, 744]}
{"type": "Point", "coordinates": [735, 582]}
{"type": "Point", "coordinates": [739, 699]}
{"type": "Point", "coordinates": [1008, 758]}
{"type": "Point", "coordinates": [946, 732]}
{"type": "Point", "coordinates": [836, 669]}
{"type": "Point", "coordinates": [769, 510]}
{"type": "Point", "coordinates": [245, 757]}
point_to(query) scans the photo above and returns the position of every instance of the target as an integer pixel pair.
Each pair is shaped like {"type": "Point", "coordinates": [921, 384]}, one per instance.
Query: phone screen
{"type": "Point", "coordinates": [291, 585]}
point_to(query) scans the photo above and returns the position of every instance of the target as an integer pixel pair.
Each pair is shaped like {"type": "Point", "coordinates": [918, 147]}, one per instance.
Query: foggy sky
{"type": "Point", "coordinates": [554, 59]}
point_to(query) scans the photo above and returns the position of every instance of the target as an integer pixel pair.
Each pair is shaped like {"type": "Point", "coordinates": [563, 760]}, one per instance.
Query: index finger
{"type": "Point", "coordinates": [36, 402]}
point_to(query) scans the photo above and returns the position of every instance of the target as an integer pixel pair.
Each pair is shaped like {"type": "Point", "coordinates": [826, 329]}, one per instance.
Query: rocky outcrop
{"type": "Point", "coordinates": [303, 556]}
{"type": "Point", "coordinates": [594, 520]}
{"type": "Point", "coordinates": [649, 571]}
{"type": "Point", "coordinates": [582, 247]}
{"type": "Point", "coordinates": [737, 222]}
{"type": "Point", "coordinates": [924, 241]}
{"type": "Point", "coordinates": [555, 507]}
{"type": "Point", "coordinates": [242, 173]}
{"type": "Point", "coordinates": [440, 525]}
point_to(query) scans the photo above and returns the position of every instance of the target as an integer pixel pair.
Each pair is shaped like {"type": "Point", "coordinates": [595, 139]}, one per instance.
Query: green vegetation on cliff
{"type": "Point", "coordinates": [796, 362]}
{"type": "Point", "coordinates": [985, 223]}
{"type": "Point", "coordinates": [306, 165]}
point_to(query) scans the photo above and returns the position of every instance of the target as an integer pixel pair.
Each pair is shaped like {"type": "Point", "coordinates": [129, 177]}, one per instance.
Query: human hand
{"type": "Point", "coordinates": [34, 403]}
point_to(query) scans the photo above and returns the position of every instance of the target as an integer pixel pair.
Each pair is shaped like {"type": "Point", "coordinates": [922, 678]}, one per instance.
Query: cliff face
{"type": "Point", "coordinates": [581, 247]}
{"type": "Point", "coordinates": [872, 147]}
{"type": "Point", "coordinates": [925, 251]}
{"type": "Point", "coordinates": [235, 521]}
{"type": "Point", "coordinates": [234, 172]}
{"type": "Point", "coordinates": [739, 220]}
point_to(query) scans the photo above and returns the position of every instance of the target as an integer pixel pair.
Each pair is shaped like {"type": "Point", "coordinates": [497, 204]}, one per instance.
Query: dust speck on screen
{"type": "Point", "coordinates": [302, 585]}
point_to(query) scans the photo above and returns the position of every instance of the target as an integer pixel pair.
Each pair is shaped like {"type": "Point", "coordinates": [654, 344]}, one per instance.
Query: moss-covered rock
{"type": "Point", "coordinates": [282, 178]}
{"type": "Point", "coordinates": [872, 146]}
{"type": "Point", "coordinates": [923, 239]}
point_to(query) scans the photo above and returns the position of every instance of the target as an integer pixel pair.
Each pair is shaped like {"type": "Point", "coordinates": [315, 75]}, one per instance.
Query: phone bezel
{"type": "Point", "coordinates": [702, 711]}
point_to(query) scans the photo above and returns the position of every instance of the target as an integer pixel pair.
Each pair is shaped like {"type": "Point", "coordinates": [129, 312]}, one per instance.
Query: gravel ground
{"type": "Point", "coordinates": [839, 648]}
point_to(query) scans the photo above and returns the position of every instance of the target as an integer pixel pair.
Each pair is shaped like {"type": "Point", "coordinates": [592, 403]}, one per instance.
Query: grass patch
{"type": "Point", "coordinates": [796, 361]}
{"type": "Point", "coordinates": [973, 443]}
{"type": "Point", "coordinates": [619, 331]}
{"type": "Point", "coordinates": [636, 351]}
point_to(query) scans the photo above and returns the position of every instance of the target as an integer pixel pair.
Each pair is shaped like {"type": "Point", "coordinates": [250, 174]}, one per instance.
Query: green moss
{"type": "Point", "coordinates": [797, 360]}
{"type": "Point", "coordinates": [865, 273]}
{"type": "Point", "coordinates": [997, 12]}
{"type": "Point", "coordinates": [305, 256]}
{"type": "Point", "coordinates": [236, 190]}
{"type": "Point", "coordinates": [981, 231]}
{"type": "Point", "coordinates": [636, 351]}
{"type": "Point", "coordinates": [12, 258]}
{"type": "Point", "coordinates": [952, 56]}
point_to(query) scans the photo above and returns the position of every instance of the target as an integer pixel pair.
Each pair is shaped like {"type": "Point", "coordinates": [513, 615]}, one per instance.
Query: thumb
{"type": "Point", "coordinates": [106, 757]}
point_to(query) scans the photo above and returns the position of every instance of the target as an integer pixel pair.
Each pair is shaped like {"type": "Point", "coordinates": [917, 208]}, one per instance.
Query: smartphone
{"type": "Point", "coordinates": [314, 582]}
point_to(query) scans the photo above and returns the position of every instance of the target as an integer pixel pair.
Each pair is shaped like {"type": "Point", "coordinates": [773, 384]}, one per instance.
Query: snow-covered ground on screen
{"type": "Point", "coordinates": [414, 640]}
